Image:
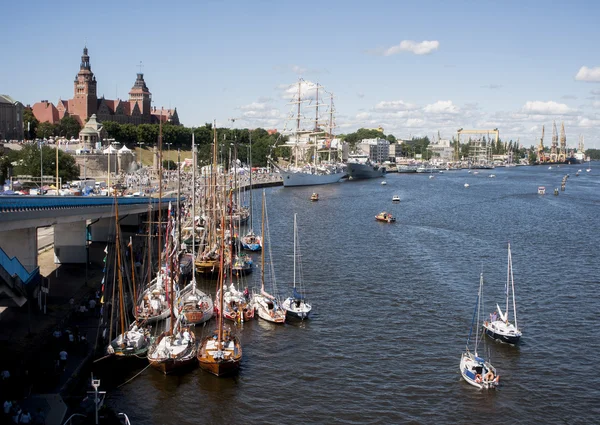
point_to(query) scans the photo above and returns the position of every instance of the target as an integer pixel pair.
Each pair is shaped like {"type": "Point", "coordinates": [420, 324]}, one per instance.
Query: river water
{"type": "Point", "coordinates": [392, 308]}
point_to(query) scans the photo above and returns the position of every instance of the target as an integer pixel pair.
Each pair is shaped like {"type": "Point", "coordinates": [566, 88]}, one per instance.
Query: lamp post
{"type": "Point", "coordinates": [41, 168]}
{"type": "Point", "coordinates": [57, 184]}
{"type": "Point", "coordinates": [169, 155]}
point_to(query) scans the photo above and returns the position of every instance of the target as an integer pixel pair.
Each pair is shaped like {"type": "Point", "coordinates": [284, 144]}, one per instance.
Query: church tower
{"type": "Point", "coordinates": [85, 99]}
{"type": "Point", "coordinates": [140, 99]}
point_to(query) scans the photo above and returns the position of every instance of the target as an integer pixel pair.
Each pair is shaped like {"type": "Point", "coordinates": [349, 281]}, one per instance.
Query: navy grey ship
{"type": "Point", "coordinates": [360, 167]}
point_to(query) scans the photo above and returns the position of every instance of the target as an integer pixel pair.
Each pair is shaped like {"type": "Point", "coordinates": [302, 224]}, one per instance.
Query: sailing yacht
{"type": "Point", "coordinates": [251, 241]}
{"type": "Point", "coordinates": [499, 327]}
{"type": "Point", "coordinates": [267, 306]}
{"type": "Point", "coordinates": [306, 143]}
{"type": "Point", "coordinates": [196, 306]}
{"type": "Point", "coordinates": [133, 341]}
{"type": "Point", "coordinates": [473, 368]}
{"type": "Point", "coordinates": [175, 349]}
{"type": "Point", "coordinates": [296, 305]}
{"type": "Point", "coordinates": [220, 353]}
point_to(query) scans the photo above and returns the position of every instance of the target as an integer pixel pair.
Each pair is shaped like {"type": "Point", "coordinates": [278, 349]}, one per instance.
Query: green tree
{"type": "Point", "coordinates": [32, 121]}
{"type": "Point", "coordinates": [28, 160]}
{"type": "Point", "coordinates": [113, 130]}
{"type": "Point", "coordinates": [68, 127]}
{"type": "Point", "coordinates": [169, 164]}
{"type": "Point", "coordinates": [45, 130]}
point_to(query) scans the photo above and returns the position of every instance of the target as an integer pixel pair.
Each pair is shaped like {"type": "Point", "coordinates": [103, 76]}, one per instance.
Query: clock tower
{"type": "Point", "coordinates": [85, 99]}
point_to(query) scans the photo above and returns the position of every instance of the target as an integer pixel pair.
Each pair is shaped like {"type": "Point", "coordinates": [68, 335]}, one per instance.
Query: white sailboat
{"type": "Point", "coordinates": [251, 241]}
{"type": "Point", "coordinates": [499, 327]}
{"type": "Point", "coordinates": [266, 305]}
{"type": "Point", "coordinates": [473, 368]}
{"type": "Point", "coordinates": [315, 172]}
{"type": "Point", "coordinates": [296, 305]}
{"type": "Point", "coordinates": [195, 306]}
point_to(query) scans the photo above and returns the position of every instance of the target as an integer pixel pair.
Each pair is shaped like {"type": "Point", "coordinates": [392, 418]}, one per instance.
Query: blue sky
{"type": "Point", "coordinates": [413, 67]}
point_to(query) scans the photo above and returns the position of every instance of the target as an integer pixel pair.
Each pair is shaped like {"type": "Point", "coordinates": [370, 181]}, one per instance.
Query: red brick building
{"type": "Point", "coordinates": [85, 102]}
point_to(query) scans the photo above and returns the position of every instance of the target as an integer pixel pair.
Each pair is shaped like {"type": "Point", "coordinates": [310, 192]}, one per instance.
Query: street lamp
{"type": "Point", "coordinates": [169, 155]}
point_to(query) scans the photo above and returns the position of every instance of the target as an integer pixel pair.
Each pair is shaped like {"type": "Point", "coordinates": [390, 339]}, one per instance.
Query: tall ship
{"type": "Point", "coordinates": [316, 145]}
{"type": "Point", "coordinates": [359, 167]}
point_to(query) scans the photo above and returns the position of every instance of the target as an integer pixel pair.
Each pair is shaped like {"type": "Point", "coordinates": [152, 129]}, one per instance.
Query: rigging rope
{"type": "Point", "coordinates": [133, 377]}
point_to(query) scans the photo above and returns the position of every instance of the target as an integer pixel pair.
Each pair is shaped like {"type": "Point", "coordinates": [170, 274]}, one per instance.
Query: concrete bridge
{"type": "Point", "coordinates": [76, 221]}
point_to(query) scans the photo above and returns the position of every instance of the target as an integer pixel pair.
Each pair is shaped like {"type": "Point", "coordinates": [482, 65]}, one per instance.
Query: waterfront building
{"type": "Point", "coordinates": [92, 133]}
{"type": "Point", "coordinates": [11, 118]}
{"type": "Point", "coordinates": [377, 149]}
{"type": "Point", "coordinates": [85, 102]}
{"type": "Point", "coordinates": [442, 150]}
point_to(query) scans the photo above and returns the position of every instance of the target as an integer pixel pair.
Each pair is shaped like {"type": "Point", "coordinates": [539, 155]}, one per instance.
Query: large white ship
{"type": "Point", "coordinates": [317, 144]}
{"type": "Point", "coordinates": [308, 177]}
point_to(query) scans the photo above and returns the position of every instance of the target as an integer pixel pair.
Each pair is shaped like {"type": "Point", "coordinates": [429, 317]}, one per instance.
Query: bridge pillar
{"type": "Point", "coordinates": [103, 230]}
{"type": "Point", "coordinates": [21, 243]}
{"type": "Point", "coordinates": [70, 243]}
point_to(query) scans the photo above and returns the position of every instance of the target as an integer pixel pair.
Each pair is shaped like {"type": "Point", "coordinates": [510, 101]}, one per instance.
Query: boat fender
{"type": "Point", "coordinates": [489, 377]}
{"type": "Point", "coordinates": [478, 378]}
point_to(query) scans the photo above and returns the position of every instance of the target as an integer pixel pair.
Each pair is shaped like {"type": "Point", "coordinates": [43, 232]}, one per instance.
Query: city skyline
{"type": "Point", "coordinates": [413, 68]}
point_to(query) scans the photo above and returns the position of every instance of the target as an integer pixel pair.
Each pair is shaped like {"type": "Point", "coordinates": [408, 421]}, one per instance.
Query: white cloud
{"type": "Point", "coordinates": [415, 122]}
{"type": "Point", "coordinates": [363, 116]}
{"type": "Point", "coordinates": [595, 92]}
{"type": "Point", "coordinates": [596, 103]}
{"type": "Point", "coordinates": [255, 106]}
{"type": "Point", "coordinates": [418, 48]}
{"type": "Point", "coordinates": [394, 105]}
{"type": "Point", "coordinates": [546, 108]}
{"type": "Point", "coordinates": [591, 75]}
{"type": "Point", "coordinates": [298, 69]}
{"type": "Point", "coordinates": [442, 107]}
{"type": "Point", "coordinates": [586, 122]}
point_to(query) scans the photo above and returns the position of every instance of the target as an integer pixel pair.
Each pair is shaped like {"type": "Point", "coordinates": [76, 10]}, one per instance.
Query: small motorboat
{"type": "Point", "coordinates": [395, 198]}
{"type": "Point", "coordinates": [385, 216]}
{"type": "Point", "coordinates": [466, 184]}
{"type": "Point", "coordinates": [541, 190]}
{"type": "Point", "coordinates": [432, 177]}
{"type": "Point", "coordinates": [383, 183]}
{"type": "Point", "coordinates": [314, 197]}
{"type": "Point", "coordinates": [492, 176]}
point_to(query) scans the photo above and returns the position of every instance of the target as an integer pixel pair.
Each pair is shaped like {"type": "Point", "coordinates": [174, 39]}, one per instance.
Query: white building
{"type": "Point", "coordinates": [442, 150]}
{"type": "Point", "coordinates": [377, 149]}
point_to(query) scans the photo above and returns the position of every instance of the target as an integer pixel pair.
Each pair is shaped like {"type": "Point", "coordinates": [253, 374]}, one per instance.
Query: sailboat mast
{"type": "Point", "coordinates": [479, 296]}
{"type": "Point", "coordinates": [298, 124]}
{"type": "Point", "coordinates": [507, 287]}
{"type": "Point", "coordinates": [178, 199]}
{"type": "Point", "coordinates": [512, 281]}
{"type": "Point", "coordinates": [133, 277]}
{"type": "Point", "coordinates": [250, 162]}
{"type": "Point", "coordinates": [262, 254]}
{"type": "Point", "coordinates": [194, 161]}
{"type": "Point", "coordinates": [221, 271]}
{"type": "Point", "coordinates": [149, 243]}
{"type": "Point", "coordinates": [160, 182]}
{"type": "Point", "coordinates": [295, 234]}
{"type": "Point", "coordinates": [330, 125]}
{"type": "Point", "coordinates": [316, 123]}
{"type": "Point", "coordinates": [170, 274]}
{"type": "Point", "coordinates": [120, 277]}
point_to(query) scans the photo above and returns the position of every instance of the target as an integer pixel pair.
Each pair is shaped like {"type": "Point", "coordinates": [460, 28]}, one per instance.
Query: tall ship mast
{"type": "Point", "coordinates": [307, 170]}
